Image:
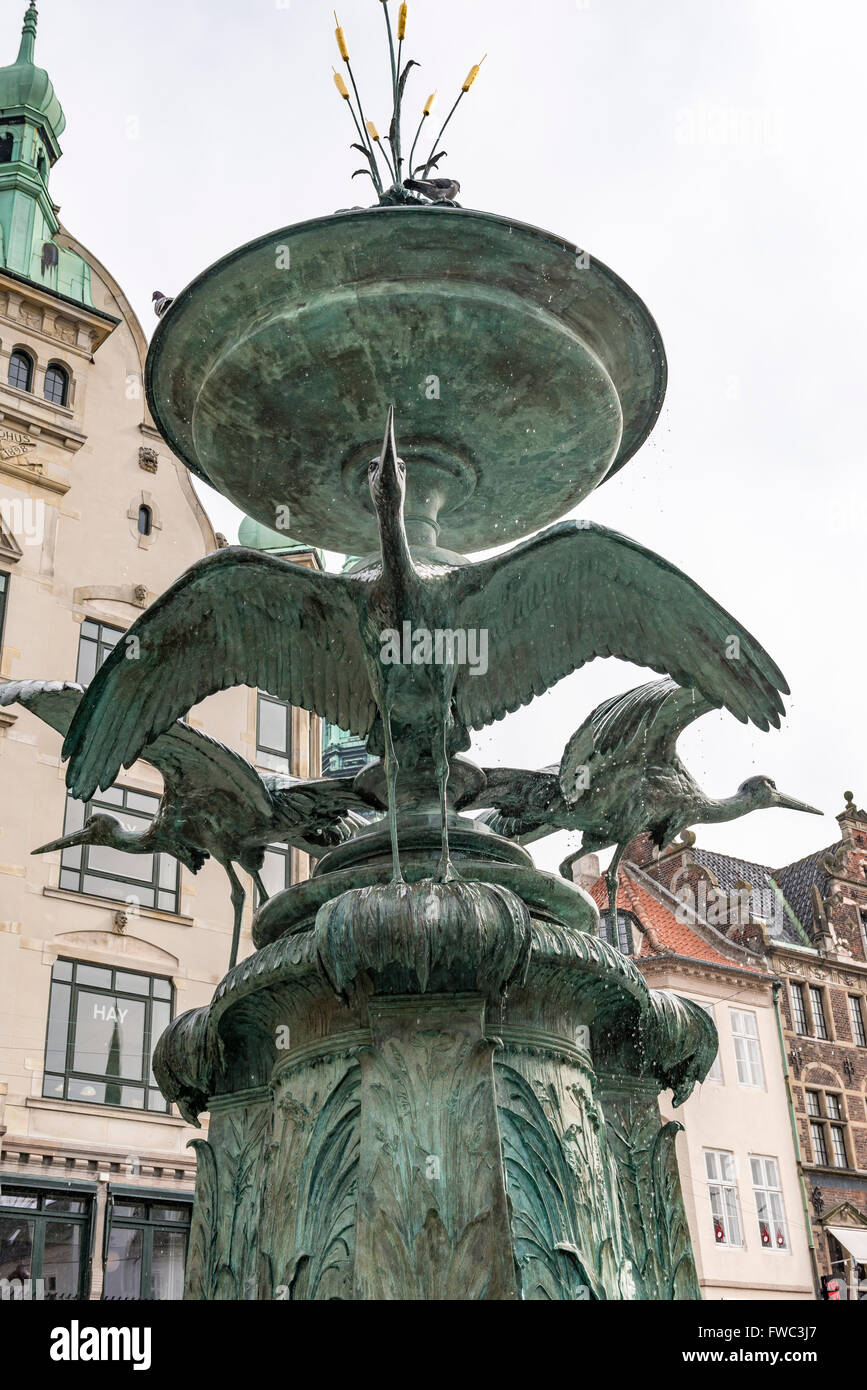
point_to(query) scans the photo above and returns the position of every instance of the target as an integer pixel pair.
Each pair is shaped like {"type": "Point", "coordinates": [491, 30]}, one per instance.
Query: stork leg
{"type": "Point", "coordinates": [238, 899]}
{"type": "Point", "coordinates": [392, 768]}
{"type": "Point", "coordinates": [261, 889]}
{"type": "Point", "coordinates": [611, 883]}
{"type": "Point", "coordinates": [445, 872]}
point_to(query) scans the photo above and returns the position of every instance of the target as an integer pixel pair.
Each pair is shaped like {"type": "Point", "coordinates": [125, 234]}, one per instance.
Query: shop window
{"type": "Point", "coordinates": [145, 1249]}
{"type": "Point", "coordinates": [103, 1025]}
{"type": "Point", "coordinates": [44, 1239]}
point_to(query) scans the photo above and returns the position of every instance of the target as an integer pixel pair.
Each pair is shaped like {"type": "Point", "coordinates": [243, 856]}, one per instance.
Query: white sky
{"type": "Point", "coordinates": [710, 151]}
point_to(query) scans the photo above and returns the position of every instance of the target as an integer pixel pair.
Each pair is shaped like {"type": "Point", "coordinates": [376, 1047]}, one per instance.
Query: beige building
{"type": "Point", "coordinates": [98, 949]}
{"type": "Point", "coordinates": [744, 1197]}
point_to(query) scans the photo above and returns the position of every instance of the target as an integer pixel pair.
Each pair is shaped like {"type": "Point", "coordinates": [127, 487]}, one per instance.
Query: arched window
{"type": "Point", "coordinates": [56, 384]}
{"type": "Point", "coordinates": [145, 520]}
{"type": "Point", "coordinates": [21, 370]}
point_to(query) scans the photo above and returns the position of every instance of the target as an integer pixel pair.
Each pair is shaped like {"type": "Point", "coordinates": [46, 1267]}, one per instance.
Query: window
{"type": "Point", "coordinates": [145, 520]}
{"type": "Point", "coordinates": [276, 870]}
{"type": "Point", "coordinates": [856, 1008]}
{"type": "Point", "coordinates": [748, 1053]}
{"type": "Point", "coordinates": [102, 1027]}
{"type": "Point", "coordinates": [146, 1249]}
{"type": "Point", "coordinates": [820, 1151]}
{"type": "Point", "coordinates": [715, 1073]}
{"type": "Point", "coordinates": [20, 370]}
{"type": "Point", "coordinates": [4, 590]}
{"type": "Point", "coordinates": [624, 931]}
{"type": "Point", "coordinates": [799, 1012]}
{"type": "Point", "coordinates": [6, 143]}
{"type": "Point", "coordinates": [273, 733]}
{"type": "Point", "coordinates": [827, 1128]}
{"type": "Point", "coordinates": [56, 384]}
{"type": "Point", "coordinates": [820, 1026]}
{"type": "Point", "coordinates": [723, 1188]}
{"type": "Point", "coordinates": [773, 1232]}
{"type": "Point", "coordinates": [44, 1236]}
{"type": "Point", "coordinates": [95, 867]}
{"type": "Point", "coordinates": [97, 641]}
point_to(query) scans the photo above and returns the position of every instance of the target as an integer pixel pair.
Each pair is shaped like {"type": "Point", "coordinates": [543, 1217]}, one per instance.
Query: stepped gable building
{"type": "Point", "coordinates": [98, 949]}
{"type": "Point", "coordinates": [807, 922]}
{"type": "Point", "coordinates": [745, 1201]}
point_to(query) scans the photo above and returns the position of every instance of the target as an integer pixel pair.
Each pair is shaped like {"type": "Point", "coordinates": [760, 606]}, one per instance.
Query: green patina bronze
{"type": "Point", "coordinates": [432, 1079]}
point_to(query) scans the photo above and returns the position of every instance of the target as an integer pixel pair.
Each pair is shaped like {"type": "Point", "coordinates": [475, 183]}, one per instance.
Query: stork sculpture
{"type": "Point", "coordinates": [214, 803]}
{"type": "Point", "coordinates": [572, 593]}
{"type": "Point", "coordinates": [620, 777]}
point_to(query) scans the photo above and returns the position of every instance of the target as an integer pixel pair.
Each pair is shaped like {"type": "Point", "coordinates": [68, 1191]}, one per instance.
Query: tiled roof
{"type": "Point", "coordinates": [673, 936]}
{"type": "Point", "coordinates": [729, 872]}
{"type": "Point", "coordinates": [796, 882]}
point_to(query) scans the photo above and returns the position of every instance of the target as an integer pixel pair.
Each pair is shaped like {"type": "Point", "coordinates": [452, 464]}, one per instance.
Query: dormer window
{"type": "Point", "coordinates": [21, 370]}
{"type": "Point", "coordinates": [56, 384]}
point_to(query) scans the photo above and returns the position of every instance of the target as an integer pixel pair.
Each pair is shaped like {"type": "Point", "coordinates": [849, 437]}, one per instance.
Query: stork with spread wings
{"type": "Point", "coordinates": [549, 605]}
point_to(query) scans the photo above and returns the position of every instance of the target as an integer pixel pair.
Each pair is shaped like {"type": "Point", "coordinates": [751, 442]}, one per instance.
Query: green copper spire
{"type": "Point", "coordinates": [28, 35]}
{"type": "Point", "coordinates": [31, 123]}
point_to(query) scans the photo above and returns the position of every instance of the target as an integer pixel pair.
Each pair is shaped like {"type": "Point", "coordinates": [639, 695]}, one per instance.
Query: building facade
{"type": "Point", "coordinates": [98, 949]}
{"type": "Point", "coordinates": [807, 924]}
{"type": "Point", "coordinates": [743, 1195]}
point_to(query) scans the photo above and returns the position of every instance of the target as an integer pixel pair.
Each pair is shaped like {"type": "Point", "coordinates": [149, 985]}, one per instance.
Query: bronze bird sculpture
{"type": "Point", "coordinates": [620, 777]}
{"type": "Point", "coordinates": [214, 804]}
{"type": "Point", "coordinates": [324, 642]}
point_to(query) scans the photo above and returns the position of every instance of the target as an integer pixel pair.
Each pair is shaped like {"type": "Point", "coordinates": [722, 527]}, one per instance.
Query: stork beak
{"type": "Point", "coordinates": [79, 837]}
{"type": "Point", "coordinates": [788, 803]}
{"type": "Point", "coordinates": [388, 457]}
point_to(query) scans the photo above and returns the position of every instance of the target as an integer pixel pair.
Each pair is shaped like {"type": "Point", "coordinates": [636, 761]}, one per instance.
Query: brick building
{"type": "Point", "coordinates": [807, 924]}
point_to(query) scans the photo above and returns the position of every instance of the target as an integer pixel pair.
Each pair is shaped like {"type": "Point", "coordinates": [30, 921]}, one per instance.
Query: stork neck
{"type": "Point", "coordinates": [726, 808]}
{"type": "Point", "coordinates": [396, 556]}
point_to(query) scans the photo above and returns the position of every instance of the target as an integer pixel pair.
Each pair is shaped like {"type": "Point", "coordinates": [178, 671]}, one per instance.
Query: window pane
{"type": "Point", "coordinates": [16, 1247]}
{"type": "Point", "coordinates": [162, 989]}
{"type": "Point", "coordinates": [832, 1104]}
{"type": "Point", "coordinates": [272, 726]}
{"type": "Point", "coordinates": [820, 1149]}
{"type": "Point", "coordinates": [275, 871]}
{"type": "Point", "coordinates": [86, 669]}
{"type": "Point", "coordinates": [132, 984]}
{"type": "Point", "coordinates": [182, 1214]}
{"type": "Point", "coordinates": [819, 1025]}
{"type": "Point", "coordinates": [61, 970]}
{"type": "Point", "coordinates": [61, 1262]}
{"type": "Point", "coordinates": [856, 1013]}
{"type": "Point", "coordinates": [91, 1091]}
{"type": "Point", "coordinates": [142, 801]}
{"type": "Point", "coordinates": [813, 1103]}
{"type": "Point", "coordinates": [19, 1199]}
{"type": "Point", "coordinates": [131, 1209]}
{"type": "Point", "coordinates": [123, 1264]}
{"type": "Point", "coordinates": [92, 975]}
{"type": "Point", "coordinates": [838, 1144]}
{"type": "Point", "coordinates": [109, 1036]}
{"type": "Point", "coordinates": [70, 1205]}
{"type": "Point", "coordinates": [799, 1015]}
{"type": "Point", "coordinates": [58, 1025]}
{"type": "Point", "coordinates": [52, 1086]}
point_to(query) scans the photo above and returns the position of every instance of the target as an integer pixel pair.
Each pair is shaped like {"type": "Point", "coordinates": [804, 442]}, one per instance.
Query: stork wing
{"type": "Point", "coordinates": [195, 764]}
{"type": "Point", "coordinates": [646, 721]}
{"type": "Point", "coordinates": [579, 591]}
{"type": "Point", "coordinates": [238, 617]}
{"type": "Point", "coordinates": [54, 702]}
{"type": "Point", "coordinates": [183, 755]}
{"type": "Point", "coordinates": [317, 803]}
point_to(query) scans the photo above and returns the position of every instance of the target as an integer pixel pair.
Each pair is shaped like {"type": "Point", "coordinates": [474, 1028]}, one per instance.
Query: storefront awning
{"type": "Point", "coordinates": [853, 1239]}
